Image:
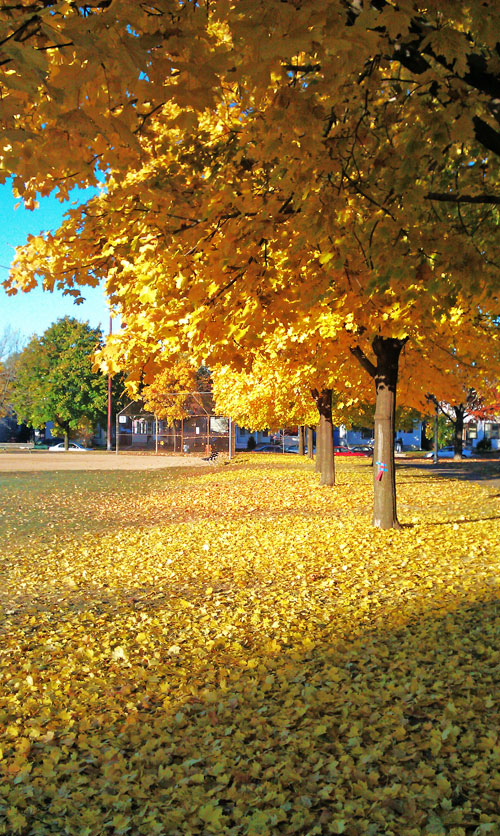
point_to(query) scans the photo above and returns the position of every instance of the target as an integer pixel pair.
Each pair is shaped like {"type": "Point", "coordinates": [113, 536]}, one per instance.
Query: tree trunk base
{"type": "Point", "coordinates": [393, 524]}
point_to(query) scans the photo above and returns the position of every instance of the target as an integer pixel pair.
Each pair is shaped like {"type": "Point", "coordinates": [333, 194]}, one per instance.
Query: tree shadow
{"type": "Point", "coordinates": [466, 521]}
{"type": "Point", "coordinates": [467, 470]}
{"type": "Point", "coordinates": [458, 521]}
{"type": "Point", "coordinates": [366, 729]}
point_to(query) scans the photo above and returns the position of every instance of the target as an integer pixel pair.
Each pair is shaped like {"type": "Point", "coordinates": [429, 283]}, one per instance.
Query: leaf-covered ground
{"type": "Point", "coordinates": [236, 651]}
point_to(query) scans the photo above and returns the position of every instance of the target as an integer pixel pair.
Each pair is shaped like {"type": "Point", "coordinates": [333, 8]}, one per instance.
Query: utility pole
{"type": "Point", "coordinates": [108, 442]}
{"type": "Point", "coordinates": [435, 457]}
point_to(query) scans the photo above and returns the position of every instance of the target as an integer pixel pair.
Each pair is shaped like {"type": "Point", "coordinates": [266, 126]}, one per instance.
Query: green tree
{"type": "Point", "coordinates": [445, 431]}
{"type": "Point", "coordinates": [261, 158]}
{"type": "Point", "coordinates": [451, 422]}
{"type": "Point", "coordinates": [55, 380]}
{"type": "Point", "coordinates": [9, 346]}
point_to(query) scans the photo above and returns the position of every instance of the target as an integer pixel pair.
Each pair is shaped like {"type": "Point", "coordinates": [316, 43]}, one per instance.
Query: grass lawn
{"type": "Point", "coordinates": [236, 651]}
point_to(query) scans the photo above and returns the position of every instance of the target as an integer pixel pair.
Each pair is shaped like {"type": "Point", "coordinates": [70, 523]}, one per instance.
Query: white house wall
{"type": "Point", "coordinates": [489, 429]}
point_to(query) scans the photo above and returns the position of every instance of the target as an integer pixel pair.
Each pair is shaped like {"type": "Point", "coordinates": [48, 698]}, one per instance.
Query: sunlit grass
{"type": "Point", "coordinates": [238, 651]}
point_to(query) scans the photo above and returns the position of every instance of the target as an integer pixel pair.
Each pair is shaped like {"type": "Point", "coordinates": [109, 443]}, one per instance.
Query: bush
{"type": "Point", "coordinates": [484, 444]}
{"type": "Point", "coordinates": [251, 443]}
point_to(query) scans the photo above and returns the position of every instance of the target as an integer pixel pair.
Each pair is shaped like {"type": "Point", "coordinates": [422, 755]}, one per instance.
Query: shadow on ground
{"type": "Point", "coordinates": [471, 471]}
{"type": "Point", "coordinates": [384, 731]}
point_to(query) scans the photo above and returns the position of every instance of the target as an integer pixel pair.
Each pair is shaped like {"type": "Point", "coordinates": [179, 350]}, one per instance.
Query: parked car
{"type": "Point", "coordinates": [46, 443]}
{"type": "Point", "coordinates": [73, 447]}
{"type": "Point", "coordinates": [449, 452]}
{"type": "Point", "coordinates": [268, 448]}
{"type": "Point", "coordinates": [346, 451]}
{"type": "Point", "coordinates": [361, 448]}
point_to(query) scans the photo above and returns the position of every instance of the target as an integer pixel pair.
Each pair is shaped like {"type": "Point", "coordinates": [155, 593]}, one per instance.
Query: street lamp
{"type": "Point", "coordinates": [108, 441]}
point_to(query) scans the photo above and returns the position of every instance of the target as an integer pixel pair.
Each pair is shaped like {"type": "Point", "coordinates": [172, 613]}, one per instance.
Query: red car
{"type": "Point", "coordinates": [344, 451]}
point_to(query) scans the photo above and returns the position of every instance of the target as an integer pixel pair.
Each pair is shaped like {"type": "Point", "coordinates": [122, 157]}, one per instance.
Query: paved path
{"type": "Point", "coordinates": [486, 473]}
{"type": "Point", "coordinates": [42, 460]}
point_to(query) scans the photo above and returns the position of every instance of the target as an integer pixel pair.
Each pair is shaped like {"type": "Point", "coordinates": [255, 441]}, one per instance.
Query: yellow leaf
{"type": "Point", "coordinates": [211, 814]}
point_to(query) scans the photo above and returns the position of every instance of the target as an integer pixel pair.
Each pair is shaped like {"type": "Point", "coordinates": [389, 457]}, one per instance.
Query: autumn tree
{"type": "Point", "coordinates": [130, 61]}
{"type": "Point", "coordinates": [266, 158]}
{"type": "Point", "coordinates": [294, 379]}
{"type": "Point", "coordinates": [263, 397]}
{"type": "Point", "coordinates": [168, 394]}
{"type": "Point", "coordinates": [55, 380]}
{"type": "Point", "coordinates": [471, 404]}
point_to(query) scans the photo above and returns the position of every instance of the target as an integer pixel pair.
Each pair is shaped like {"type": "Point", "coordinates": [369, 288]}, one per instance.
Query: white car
{"type": "Point", "coordinates": [449, 452]}
{"type": "Point", "coordinates": [73, 447]}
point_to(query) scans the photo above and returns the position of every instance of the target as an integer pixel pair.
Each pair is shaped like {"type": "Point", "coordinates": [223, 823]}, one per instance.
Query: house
{"type": "Point", "coordinates": [10, 430]}
{"type": "Point", "coordinates": [406, 439]}
{"type": "Point", "coordinates": [479, 429]}
{"type": "Point", "coordinates": [242, 436]}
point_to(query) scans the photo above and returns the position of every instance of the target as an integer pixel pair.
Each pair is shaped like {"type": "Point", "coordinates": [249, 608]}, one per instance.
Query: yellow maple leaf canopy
{"type": "Point", "coordinates": [300, 155]}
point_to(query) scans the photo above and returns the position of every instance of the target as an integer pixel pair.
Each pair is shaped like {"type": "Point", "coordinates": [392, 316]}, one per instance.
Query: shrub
{"type": "Point", "coordinates": [251, 443]}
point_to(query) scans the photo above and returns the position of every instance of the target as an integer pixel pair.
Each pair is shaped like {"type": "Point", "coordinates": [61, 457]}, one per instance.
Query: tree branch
{"type": "Point", "coordinates": [302, 68]}
{"type": "Point", "coordinates": [453, 197]}
{"type": "Point", "coordinates": [365, 362]}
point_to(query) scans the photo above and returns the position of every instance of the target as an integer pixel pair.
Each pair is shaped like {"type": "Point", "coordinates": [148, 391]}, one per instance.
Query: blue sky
{"type": "Point", "coordinates": [33, 312]}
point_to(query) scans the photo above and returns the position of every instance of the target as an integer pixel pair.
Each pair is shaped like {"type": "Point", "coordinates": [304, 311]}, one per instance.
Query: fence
{"type": "Point", "coordinates": [200, 432]}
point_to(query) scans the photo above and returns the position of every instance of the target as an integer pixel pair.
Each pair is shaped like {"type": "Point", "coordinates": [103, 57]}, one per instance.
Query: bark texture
{"type": "Point", "coordinates": [317, 464]}
{"type": "Point", "coordinates": [323, 400]}
{"type": "Point", "coordinates": [310, 442]}
{"type": "Point", "coordinates": [385, 375]}
{"type": "Point", "coordinates": [301, 441]}
{"type": "Point", "coordinates": [387, 352]}
{"type": "Point", "coordinates": [458, 437]}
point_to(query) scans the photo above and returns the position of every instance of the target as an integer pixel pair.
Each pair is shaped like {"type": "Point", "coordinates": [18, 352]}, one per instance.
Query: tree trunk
{"type": "Point", "coordinates": [387, 352]}
{"type": "Point", "coordinates": [301, 441]}
{"type": "Point", "coordinates": [317, 463]}
{"type": "Point", "coordinates": [385, 375]}
{"type": "Point", "coordinates": [325, 437]}
{"type": "Point", "coordinates": [310, 443]}
{"type": "Point", "coordinates": [327, 458]}
{"type": "Point", "coordinates": [458, 439]}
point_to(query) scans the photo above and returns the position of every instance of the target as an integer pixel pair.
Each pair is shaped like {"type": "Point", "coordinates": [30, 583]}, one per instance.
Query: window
{"type": "Point", "coordinates": [219, 425]}
{"type": "Point", "coordinates": [141, 427]}
{"type": "Point", "coordinates": [491, 430]}
{"type": "Point", "coordinates": [471, 431]}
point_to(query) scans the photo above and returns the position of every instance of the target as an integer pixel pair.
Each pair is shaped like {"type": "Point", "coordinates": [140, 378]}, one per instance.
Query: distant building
{"type": "Point", "coordinates": [201, 431]}
{"type": "Point", "coordinates": [10, 430]}
{"type": "Point", "coordinates": [404, 439]}
{"type": "Point", "coordinates": [479, 428]}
